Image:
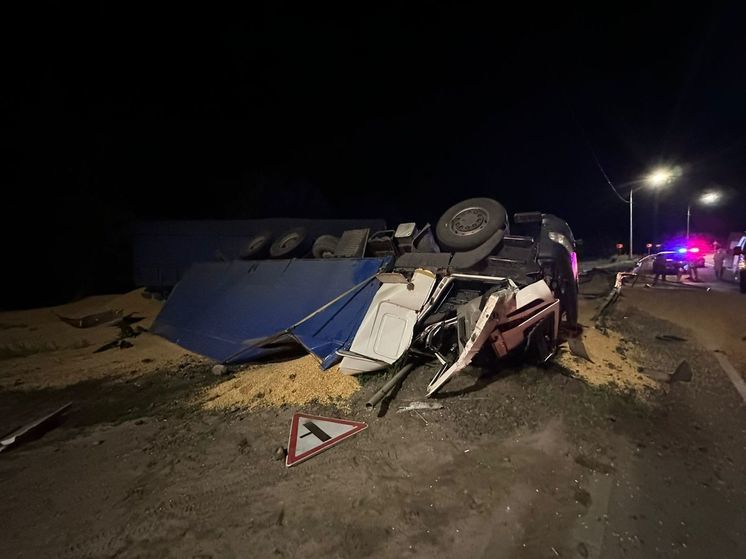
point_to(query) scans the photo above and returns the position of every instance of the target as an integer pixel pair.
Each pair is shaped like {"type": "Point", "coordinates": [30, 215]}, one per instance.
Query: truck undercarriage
{"type": "Point", "coordinates": [508, 292]}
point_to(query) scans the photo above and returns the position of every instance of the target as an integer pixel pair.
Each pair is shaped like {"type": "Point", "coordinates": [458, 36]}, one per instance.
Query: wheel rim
{"type": "Point", "coordinates": [469, 221]}
{"type": "Point", "coordinates": [255, 244]}
{"type": "Point", "coordinates": [289, 241]}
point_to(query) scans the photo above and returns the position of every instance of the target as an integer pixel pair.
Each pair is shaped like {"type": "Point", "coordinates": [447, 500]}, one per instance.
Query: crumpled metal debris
{"type": "Point", "coordinates": [30, 427]}
{"type": "Point", "coordinates": [420, 406]}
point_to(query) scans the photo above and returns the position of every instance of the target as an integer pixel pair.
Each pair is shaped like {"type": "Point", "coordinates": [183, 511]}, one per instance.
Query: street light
{"type": "Point", "coordinates": [659, 177]}
{"type": "Point", "coordinates": [706, 199]}
{"type": "Point", "coordinates": [656, 179]}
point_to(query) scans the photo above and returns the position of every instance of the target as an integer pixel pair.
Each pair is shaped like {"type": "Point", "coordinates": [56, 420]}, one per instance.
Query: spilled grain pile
{"type": "Point", "coordinates": [613, 361]}
{"type": "Point", "coordinates": [293, 383]}
{"type": "Point", "coordinates": [39, 350]}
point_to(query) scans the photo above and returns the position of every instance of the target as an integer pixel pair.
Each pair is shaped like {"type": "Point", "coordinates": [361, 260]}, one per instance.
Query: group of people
{"type": "Point", "coordinates": [660, 266]}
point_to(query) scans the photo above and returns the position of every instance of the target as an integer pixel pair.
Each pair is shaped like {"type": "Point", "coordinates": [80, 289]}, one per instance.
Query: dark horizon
{"type": "Point", "coordinates": [119, 115]}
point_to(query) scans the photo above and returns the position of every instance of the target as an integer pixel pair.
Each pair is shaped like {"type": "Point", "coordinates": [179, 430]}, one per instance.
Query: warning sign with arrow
{"type": "Point", "coordinates": [311, 434]}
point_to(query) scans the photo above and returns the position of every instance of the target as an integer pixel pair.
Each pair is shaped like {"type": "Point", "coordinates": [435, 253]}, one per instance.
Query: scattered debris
{"type": "Point", "coordinates": [30, 428]}
{"type": "Point", "coordinates": [125, 331]}
{"type": "Point", "coordinates": [219, 370]}
{"type": "Point", "coordinates": [670, 338]}
{"type": "Point", "coordinates": [682, 373]}
{"type": "Point", "coordinates": [311, 434]}
{"type": "Point", "coordinates": [583, 497]}
{"type": "Point", "coordinates": [121, 344]}
{"type": "Point", "coordinates": [92, 319]}
{"type": "Point", "coordinates": [613, 295]}
{"type": "Point", "coordinates": [420, 406]}
{"type": "Point", "coordinates": [577, 348]}
{"type": "Point", "coordinates": [593, 464]}
{"type": "Point", "coordinates": [389, 385]}
{"type": "Point", "coordinates": [280, 453]}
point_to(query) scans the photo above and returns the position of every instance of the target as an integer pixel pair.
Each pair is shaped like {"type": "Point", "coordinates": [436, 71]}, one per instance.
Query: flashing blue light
{"type": "Point", "coordinates": [681, 250]}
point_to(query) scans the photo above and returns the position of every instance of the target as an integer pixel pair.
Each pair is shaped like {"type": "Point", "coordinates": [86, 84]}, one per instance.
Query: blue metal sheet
{"type": "Point", "coordinates": [234, 311]}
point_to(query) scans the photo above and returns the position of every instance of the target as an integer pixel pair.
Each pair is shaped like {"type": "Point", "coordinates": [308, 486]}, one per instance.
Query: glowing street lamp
{"type": "Point", "coordinates": [656, 179]}
{"type": "Point", "coordinates": [706, 199]}
{"type": "Point", "coordinates": [660, 177]}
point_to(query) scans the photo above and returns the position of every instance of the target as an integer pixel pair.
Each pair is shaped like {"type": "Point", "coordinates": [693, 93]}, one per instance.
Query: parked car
{"type": "Point", "coordinates": [674, 263]}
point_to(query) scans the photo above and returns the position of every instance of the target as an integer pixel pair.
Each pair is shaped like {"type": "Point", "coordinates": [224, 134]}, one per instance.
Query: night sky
{"type": "Point", "coordinates": [120, 112]}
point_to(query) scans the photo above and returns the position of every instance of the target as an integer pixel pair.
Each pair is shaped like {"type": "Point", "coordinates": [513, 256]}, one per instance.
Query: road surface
{"type": "Point", "coordinates": [520, 461]}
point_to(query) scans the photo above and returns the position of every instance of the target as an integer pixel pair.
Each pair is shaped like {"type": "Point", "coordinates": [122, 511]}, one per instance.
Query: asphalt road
{"type": "Point", "coordinates": [520, 461]}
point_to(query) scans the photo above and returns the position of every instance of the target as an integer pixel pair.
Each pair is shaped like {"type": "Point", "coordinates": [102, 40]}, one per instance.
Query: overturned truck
{"type": "Point", "coordinates": [368, 301]}
{"type": "Point", "coordinates": [482, 282]}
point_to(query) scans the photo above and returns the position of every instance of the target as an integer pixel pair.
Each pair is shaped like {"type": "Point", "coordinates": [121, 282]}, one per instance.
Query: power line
{"type": "Point", "coordinates": [590, 147]}
{"type": "Point", "coordinates": [603, 172]}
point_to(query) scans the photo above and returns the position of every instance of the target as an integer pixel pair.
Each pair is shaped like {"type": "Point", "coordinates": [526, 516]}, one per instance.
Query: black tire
{"type": "Point", "coordinates": [566, 290]}
{"type": "Point", "coordinates": [470, 223]}
{"type": "Point", "coordinates": [324, 246]}
{"type": "Point", "coordinates": [290, 243]}
{"type": "Point", "coordinates": [256, 246]}
{"type": "Point", "coordinates": [742, 280]}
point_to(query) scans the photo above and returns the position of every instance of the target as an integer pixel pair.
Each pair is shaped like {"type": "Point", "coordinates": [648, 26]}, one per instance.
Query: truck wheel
{"type": "Point", "coordinates": [566, 290]}
{"type": "Point", "coordinates": [289, 244]}
{"type": "Point", "coordinates": [256, 246]}
{"type": "Point", "coordinates": [324, 246]}
{"type": "Point", "coordinates": [742, 280]}
{"type": "Point", "coordinates": [470, 223]}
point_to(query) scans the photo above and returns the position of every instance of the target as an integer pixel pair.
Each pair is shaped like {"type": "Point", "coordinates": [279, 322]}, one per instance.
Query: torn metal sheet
{"type": "Point", "coordinates": [613, 295]}
{"type": "Point", "coordinates": [487, 322]}
{"type": "Point", "coordinates": [30, 428]}
{"type": "Point", "coordinates": [420, 406]}
{"type": "Point", "coordinates": [670, 338]}
{"type": "Point", "coordinates": [91, 320]}
{"type": "Point", "coordinates": [506, 322]}
{"type": "Point", "coordinates": [682, 373]}
{"type": "Point", "coordinates": [242, 310]}
{"type": "Point", "coordinates": [577, 348]}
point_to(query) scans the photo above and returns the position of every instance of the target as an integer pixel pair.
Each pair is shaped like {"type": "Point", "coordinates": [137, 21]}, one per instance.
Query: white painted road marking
{"type": "Point", "coordinates": [733, 374]}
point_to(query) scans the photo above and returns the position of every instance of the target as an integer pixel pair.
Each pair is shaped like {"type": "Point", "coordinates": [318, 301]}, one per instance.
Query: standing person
{"type": "Point", "coordinates": [691, 264]}
{"type": "Point", "coordinates": [659, 267]}
{"type": "Point", "coordinates": [718, 261]}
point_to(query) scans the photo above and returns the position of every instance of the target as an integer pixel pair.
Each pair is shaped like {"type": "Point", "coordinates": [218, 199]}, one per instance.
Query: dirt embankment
{"type": "Point", "coordinates": [38, 349]}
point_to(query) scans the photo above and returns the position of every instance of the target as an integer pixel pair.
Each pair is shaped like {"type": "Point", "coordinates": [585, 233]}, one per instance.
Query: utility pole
{"type": "Point", "coordinates": [688, 217]}
{"type": "Point", "coordinates": [655, 216]}
{"type": "Point", "coordinates": [630, 224]}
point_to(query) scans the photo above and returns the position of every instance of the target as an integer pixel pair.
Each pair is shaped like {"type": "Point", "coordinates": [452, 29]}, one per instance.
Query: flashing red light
{"type": "Point", "coordinates": [649, 245]}
{"type": "Point", "coordinates": [694, 249]}
{"type": "Point", "coordinates": [619, 245]}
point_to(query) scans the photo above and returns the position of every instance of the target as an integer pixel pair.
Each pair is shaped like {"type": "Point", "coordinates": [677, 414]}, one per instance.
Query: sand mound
{"type": "Point", "coordinates": [615, 361]}
{"type": "Point", "coordinates": [38, 350]}
{"type": "Point", "coordinates": [294, 383]}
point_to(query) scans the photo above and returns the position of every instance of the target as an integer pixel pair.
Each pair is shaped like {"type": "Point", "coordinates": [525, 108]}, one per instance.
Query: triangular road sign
{"type": "Point", "coordinates": [311, 434]}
